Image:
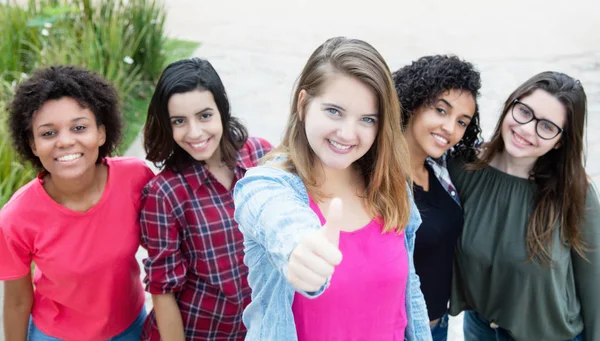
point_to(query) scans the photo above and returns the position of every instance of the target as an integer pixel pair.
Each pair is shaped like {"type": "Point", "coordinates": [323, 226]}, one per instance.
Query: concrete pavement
{"type": "Point", "coordinates": [259, 47]}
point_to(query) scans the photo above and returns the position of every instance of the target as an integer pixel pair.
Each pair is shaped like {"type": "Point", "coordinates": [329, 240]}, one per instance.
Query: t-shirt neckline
{"type": "Point", "coordinates": [46, 197]}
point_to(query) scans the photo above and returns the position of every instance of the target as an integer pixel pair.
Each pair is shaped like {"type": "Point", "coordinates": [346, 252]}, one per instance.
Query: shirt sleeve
{"type": "Point", "coordinates": [166, 267]}
{"type": "Point", "coordinates": [420, 317]}
{"type": "Point", "coordinates": [258, 148]}
{"type": "Point", "coordinates": [587, 272]}
{"type": "Point", "coordinates": [15, 255]}
{"type": "Point", "coordinates": [266, 146]}
{"type": "Point", "coordinates": [272, 210]}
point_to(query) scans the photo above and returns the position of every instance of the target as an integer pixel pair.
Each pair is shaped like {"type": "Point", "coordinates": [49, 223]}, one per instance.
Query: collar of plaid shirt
{"type": "Point", "coordinates": [196, 174]}
{"type": "Point", "coordinates": [440, 171]}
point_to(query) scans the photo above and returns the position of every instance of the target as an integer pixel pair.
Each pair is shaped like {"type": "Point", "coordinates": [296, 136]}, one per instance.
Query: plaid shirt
{"type": "Point", "coordinates": [196, 250]}
{"type": "Point", "coordinates": [440, 170]}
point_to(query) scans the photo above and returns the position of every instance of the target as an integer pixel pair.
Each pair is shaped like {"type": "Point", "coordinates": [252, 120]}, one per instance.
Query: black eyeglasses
{"type": "Point", "coordinates": [545, 129]}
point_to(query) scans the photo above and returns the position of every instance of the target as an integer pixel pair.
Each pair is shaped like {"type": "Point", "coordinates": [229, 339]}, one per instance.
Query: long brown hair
{"type": "Point", "coordinates": [559, 174]}
{"type": "Point", "coordinates": [386, 166]}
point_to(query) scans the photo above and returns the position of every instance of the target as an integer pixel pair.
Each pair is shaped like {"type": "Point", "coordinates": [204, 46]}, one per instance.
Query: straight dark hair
{"type": "Point", "coordinates": [180, 77]}
{"type": "Point", "coordinates": [559, 174]}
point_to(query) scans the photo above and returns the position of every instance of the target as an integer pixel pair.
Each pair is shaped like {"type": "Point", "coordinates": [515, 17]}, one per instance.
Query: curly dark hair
{"type": "Point", "coordinates": [89, 89]}
{"type": "Point", "coordinates": [421, 84]}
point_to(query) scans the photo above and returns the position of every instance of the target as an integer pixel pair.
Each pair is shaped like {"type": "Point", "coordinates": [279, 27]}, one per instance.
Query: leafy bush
{"type": "Point", "coordinates": [16, 40]}
{"type": "Point", "coordinates": [13, 172]}
{"type": "Point", "coordinates": [123, 40]}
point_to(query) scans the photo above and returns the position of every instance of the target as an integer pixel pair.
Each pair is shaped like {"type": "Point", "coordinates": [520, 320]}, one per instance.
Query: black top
{"type": "Point", "coordinates": [435, 240]}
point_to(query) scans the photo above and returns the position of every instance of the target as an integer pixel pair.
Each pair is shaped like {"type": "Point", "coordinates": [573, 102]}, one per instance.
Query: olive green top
{"type": "Point", "coordinates": [492, 273]}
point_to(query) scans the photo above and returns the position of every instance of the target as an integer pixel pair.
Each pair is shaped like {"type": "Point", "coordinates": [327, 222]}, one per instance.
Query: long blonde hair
{"type": "Point", "coordinates": [386, 166]}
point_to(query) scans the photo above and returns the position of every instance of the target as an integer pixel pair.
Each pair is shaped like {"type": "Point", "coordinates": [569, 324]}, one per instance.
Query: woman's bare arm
{"type": "Point", "coordinates": [18, 299]}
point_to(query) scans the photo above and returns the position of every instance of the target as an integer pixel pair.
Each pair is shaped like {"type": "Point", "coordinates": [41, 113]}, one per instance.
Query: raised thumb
{"type": "Point", "coordinates": [333, 221]}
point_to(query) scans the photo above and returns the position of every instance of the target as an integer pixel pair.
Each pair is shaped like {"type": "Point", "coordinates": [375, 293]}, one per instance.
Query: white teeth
{"type": "Point", "coordinates": [520, 140]}
{"type": "Point", "coordinates": [339, 146]}
{"type": "Point", "coordinates": [70, 157]}
{"type": "Point", "coordinates": [439, 138]}
{"type": "Point", "coordinates": [198, 145]}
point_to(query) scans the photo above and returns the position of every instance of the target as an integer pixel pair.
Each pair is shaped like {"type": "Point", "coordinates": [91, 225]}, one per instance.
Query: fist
{"type": "Point", "coordinates": [315, 258]}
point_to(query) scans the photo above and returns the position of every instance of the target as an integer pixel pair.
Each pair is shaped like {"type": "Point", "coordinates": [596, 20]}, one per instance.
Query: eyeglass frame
{"type": "Point", "coordinates": [533, 118]}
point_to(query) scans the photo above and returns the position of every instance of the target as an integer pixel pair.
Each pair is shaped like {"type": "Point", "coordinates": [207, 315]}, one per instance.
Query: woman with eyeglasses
{"type": "Point", "coordinates": [527, 266]}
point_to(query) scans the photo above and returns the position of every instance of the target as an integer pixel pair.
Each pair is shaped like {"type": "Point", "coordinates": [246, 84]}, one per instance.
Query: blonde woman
{"type": "Point", "coordinates": [343, 157]}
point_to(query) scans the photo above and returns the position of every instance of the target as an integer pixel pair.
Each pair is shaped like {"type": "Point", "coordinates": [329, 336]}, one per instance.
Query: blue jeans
{"type": "Point", "coordinates": [439, 331]}
{"type": "Point", "coordinates": [477, 328]}
{"type": "Point", "coordinates": [132, 333]}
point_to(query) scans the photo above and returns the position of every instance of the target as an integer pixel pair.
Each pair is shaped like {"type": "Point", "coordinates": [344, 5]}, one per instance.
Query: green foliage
{"type": "Point", "coordinates": [13, 172]}
{"type": "Point", "coordinates": [16, 40]}
{"type": "Point", "coordinates": [148, 19]}
{"type": "Point", "coordinates": [179, 49]}
{"type": "Point", "coordinates": [123, 40]}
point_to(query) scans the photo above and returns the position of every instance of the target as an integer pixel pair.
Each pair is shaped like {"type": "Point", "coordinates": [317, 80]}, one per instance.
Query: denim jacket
{"type": "Point", "coordinates": [273, 213]}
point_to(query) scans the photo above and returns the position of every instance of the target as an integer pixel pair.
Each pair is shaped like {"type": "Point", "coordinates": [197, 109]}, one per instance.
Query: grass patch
{"type": "Point", "coordinates": [179, 49]}
{"type": "Point", "coordinates": [134, 116]}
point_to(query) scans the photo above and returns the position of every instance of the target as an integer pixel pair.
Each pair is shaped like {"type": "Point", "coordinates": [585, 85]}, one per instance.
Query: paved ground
{"type": "Point", "coordinates": [260, 47]}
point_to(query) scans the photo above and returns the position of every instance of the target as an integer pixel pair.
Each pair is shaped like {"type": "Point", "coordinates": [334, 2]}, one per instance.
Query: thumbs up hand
{"type": "Point", "coordinates": [314, 259]}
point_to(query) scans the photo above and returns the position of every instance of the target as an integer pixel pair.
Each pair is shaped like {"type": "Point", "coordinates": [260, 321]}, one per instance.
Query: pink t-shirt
{"type": "Point", "coordinates": [366, 296]}
{"type": "Point", "coordinates": [87, 280]}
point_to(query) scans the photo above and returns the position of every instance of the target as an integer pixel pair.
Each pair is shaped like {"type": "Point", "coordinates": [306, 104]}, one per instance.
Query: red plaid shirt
{"type": "Point", "coordinates": [196, 250]}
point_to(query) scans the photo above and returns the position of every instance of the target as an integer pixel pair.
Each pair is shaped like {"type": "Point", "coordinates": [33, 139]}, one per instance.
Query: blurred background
{"type": "Point", "coordinates": [259, 48]}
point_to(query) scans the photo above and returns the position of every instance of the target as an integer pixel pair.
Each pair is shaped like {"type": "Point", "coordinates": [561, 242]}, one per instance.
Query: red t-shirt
{"type": "Point", "coordinates": [87, 280]}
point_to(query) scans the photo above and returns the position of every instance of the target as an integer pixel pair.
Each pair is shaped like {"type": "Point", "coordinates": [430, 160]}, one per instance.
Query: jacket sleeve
{"type": "Point", "coordinates": [272, 210]}
{"type": "Point", "coordinates": [418, 324]}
